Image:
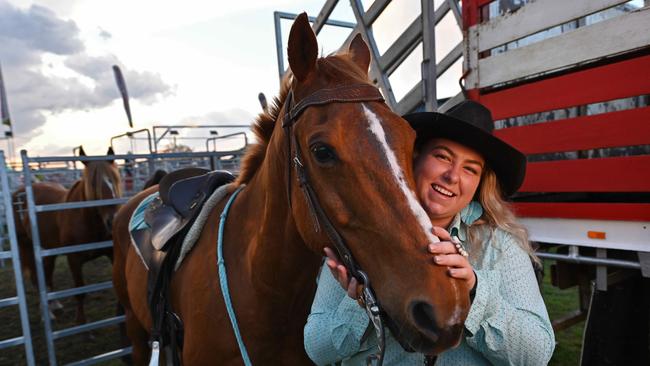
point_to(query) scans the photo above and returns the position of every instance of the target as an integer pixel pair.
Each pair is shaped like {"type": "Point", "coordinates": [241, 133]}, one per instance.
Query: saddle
{"type": "Point", "coordinates": [168, 217]}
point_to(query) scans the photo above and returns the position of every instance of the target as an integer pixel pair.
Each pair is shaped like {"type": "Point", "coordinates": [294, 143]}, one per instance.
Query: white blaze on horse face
{"type": "Point", "coordinates": [110, 186]}
{"type": "Point", "coordinates": [398, 174]}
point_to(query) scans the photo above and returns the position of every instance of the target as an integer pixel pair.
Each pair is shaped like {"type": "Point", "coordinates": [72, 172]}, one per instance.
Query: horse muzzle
{"type": "Point", "coordinates": [423, 330]}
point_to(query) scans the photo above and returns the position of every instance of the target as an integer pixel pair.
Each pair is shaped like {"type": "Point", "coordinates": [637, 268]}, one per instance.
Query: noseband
{"type": "Point", "coordinates": [340, 94]}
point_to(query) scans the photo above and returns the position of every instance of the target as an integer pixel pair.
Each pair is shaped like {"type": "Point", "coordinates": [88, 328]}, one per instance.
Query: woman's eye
{"type": "Point", "coordinates": [323, 153]}
{"type": "Point", "coordinates": [443, 157]}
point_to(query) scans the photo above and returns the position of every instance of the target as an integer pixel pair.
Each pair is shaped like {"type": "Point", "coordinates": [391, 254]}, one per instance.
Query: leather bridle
{"type": "Point", "coordinates": [349, 93]}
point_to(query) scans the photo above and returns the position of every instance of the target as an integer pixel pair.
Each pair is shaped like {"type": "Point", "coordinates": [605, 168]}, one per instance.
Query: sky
{"type": "Point", "coordinates": [198, 62]}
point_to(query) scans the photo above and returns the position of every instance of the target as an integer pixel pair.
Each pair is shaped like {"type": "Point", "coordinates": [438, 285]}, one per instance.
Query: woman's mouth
{"type": "Point", "coordinates": [442, 191]}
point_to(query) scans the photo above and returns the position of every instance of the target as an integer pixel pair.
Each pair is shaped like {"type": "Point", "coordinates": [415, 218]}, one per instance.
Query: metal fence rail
{"type": "Point", "coordinates": [140, 167]}
{"type": "Point", "coordinates": [19, 299]}
{"type": "Point", "coordinates": [423, 95]}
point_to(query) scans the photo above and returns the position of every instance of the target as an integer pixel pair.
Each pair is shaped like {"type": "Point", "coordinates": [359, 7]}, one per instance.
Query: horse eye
{"type": "Point", "coordinates": [323, 153]}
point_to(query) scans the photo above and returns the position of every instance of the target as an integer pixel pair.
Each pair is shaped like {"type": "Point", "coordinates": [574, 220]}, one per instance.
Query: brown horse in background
{"type": "Point", "coordinates": [100, 180]}
{"type": "Point", "coordinates": [358, 155]}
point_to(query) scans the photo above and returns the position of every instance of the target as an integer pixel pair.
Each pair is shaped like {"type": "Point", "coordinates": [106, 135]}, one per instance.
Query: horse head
{"type": "Point", "coordinates": [101, 180]}
{"type": "Point", "coordinates": [356, 155]}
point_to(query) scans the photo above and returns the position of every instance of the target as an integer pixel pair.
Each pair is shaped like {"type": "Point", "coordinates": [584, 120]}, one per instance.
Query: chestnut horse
{"type": "Point", "coordinates": [100, 180]}
{"type": "Point", "coordinates": [358, 155]}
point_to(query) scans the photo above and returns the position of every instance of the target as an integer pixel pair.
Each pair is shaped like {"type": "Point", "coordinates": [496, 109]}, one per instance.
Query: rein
{"type": "Point", "coordinates": [340, 94]}
{"type": "Point", "coordinates": [223, 278]}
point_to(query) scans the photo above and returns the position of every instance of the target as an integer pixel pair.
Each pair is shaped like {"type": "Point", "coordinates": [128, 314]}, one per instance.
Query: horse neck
{"type": "Point", "coordinates": [88, 215]}
{"type": "Point", "coordinates": [276, 249]}
{"type": "Point", "coordinates": [280, 267]}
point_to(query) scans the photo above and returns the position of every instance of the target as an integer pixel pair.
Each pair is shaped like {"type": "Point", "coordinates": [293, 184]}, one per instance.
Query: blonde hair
{"type": "Point", "coordinates": [497, 214]}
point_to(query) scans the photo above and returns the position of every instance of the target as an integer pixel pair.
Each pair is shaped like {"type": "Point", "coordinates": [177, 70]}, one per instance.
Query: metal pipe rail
{"type": "Point", "coordinates": [88, 327]}
{"type": "Point", "coordinates": [214, 139]}
{"type": "Point", "coordinates": [55, 295]}
{"type": "Point", "coordinates": [80, 204]}
{"type": "Point", "coordinates": [33, 209]}
{"type": "Point", "coordinates": [318, 24]}
{"type": "Point", "coordinates": [103, 357]}
{"type": "Point", "coordinates": [578, 259]}
{"type": "Point", "coordinates": [40, 253]}
{"type": "Point", "coordinates": [176, 155]}
{"type": "Point", "coordinates": [76, 248]}
{"type": "Point", "coordinates": [168, 128]}
{"type": "Point", "coordinates": [20, 298]}
{"type": "Point", "coordinates": [420, 31]}
{"type": "Point", "coordinates": [130, 135]}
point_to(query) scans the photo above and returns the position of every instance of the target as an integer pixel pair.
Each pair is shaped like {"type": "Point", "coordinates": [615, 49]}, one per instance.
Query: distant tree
{"type": "Point", "coordinates": [174, 148]}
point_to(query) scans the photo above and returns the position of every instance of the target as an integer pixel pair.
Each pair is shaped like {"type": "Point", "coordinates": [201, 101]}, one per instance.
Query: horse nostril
{"type": "Point", "coordinates": [425, 319]}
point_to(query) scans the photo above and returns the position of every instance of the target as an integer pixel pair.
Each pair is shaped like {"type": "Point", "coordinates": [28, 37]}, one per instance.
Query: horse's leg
{"type": "Point", "coordinates": [74, 262]}
{"type": "Point", "coordinates": [139, 339]}
{"type": "Point", "coordinates": [55, 306]}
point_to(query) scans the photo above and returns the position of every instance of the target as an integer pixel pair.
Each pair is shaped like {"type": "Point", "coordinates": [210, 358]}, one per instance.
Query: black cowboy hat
{"type": "Point", "coordinates": [470, 123]}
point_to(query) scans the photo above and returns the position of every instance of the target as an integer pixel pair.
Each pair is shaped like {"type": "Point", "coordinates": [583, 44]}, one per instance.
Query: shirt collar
{"type": "Point", "coordinates": [457, 228]}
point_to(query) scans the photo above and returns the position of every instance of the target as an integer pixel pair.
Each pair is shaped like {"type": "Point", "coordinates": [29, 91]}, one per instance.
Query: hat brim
{"type": "Point", "coordinates": [508, 163]}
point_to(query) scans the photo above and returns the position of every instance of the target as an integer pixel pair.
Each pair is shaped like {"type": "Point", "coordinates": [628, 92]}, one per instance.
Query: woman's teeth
{"type": "Point", "coordinates": [445, 192]}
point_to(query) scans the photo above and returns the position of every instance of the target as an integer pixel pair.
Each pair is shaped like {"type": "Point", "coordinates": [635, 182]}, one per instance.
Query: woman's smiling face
{"type": "Point", "coordinates": [447, 175]}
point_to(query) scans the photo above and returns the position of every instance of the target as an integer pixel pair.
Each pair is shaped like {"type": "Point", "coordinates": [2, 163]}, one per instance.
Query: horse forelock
{"type": "Point", "coordinates": [95, 174]}
{"type": "Point", "coordinates": [333, 69]}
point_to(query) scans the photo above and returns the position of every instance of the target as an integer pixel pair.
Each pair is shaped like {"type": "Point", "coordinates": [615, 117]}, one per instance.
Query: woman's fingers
{"type": "Point", "coordinates": [451, 260]}
{"type": "Point", "coordinates": [441, 233]}
{"type": "Point", "coordinates": [461, 273]}
{"type": "Point", "coordinates": [444, 247]}
{"type": "Point", "coordinates": [465, 274]}
{"type": "Point", "coordinates": [352, 288]}
{"type": "Point", "coordinates": [458, 267]}
{"type": "Point", "coordinates": [331, 255]}
{"type": "Point", "coordinates": [340, 273]}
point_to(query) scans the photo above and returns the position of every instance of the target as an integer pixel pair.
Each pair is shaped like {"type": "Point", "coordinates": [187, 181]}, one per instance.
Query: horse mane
{"type": "Point", "coordinates": [333, 68]}
{"type": "Point", "coordinates": [92, 179]}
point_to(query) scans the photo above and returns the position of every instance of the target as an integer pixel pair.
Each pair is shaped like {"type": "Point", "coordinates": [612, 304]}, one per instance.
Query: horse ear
{"type": "Point", "coordinates": [82, 153]}
{"type": "Point", "coordinates": [110, 152]}
{"type": "Point", "coordinates": [359, 52]}
{"type": "Point", "coordinates": [303, 48]}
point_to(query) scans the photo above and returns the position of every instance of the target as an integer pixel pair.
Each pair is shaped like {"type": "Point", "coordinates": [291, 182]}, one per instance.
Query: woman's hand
{"type": "Point", "coordinates": [446, 254]}
{"type": "Point", "coordinates": [350, 285]}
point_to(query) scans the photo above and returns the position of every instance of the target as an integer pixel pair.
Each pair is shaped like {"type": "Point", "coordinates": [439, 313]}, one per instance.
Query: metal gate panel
{"type": "Point", "coordinates": [19, 299]}
{"type": "Point", "coordinates": [148, 161]}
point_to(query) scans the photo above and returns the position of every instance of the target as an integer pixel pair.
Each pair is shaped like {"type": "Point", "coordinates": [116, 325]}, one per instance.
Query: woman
{"type": "Point", "coordinates": [461, 171]}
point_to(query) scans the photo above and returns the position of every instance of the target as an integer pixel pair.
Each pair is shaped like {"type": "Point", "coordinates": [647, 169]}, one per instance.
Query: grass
{"type": "Point", "coordinates": [559, 303]}
{"type": "Point", "coordinates": [102, 305]}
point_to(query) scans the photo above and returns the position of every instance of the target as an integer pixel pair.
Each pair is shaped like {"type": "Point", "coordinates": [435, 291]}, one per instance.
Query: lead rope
{"type": "Point", "coordinates": [223, 278]}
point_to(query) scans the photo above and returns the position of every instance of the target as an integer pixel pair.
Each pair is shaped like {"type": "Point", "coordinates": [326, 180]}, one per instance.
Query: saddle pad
{"type": "Point", "coordinates": [137, 222]}
{"type": "Point", "coordinates": [195, 230]}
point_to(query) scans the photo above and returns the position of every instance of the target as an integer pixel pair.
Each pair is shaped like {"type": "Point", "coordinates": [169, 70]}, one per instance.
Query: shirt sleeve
{"type": "Point", "coordinates": [508, 322]}
{"type": "Point", "coordinates": [336, 324]}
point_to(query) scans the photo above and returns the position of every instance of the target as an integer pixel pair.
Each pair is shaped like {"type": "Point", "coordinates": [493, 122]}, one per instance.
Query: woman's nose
{"type": "Point", "coordinates": [451, 175]}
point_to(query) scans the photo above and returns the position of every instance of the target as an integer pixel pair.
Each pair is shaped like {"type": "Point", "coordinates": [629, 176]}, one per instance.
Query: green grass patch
{"type": "Point", "coordinates": [559, 303]}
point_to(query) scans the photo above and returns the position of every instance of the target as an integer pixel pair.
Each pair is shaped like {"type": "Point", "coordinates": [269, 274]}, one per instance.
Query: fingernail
{"type": "Point", "coordinates": [431, 247]}
{"type": "Point", "coordinates": [436, 259]}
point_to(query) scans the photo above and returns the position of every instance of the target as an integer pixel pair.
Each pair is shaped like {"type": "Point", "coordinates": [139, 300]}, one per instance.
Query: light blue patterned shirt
{"type": "Point", "coordinates": [507, 323]}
